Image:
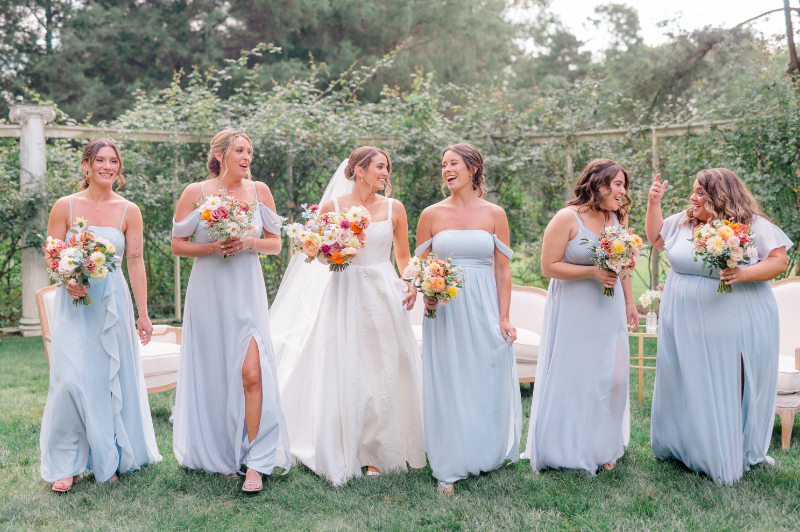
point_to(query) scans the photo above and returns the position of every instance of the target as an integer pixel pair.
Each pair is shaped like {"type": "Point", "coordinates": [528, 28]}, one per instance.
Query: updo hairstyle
{"type": "Point", "coordinates": [596, 177]}
{"type": "Point", "coordinates": [90, 154]}
{"type": "Point", "coordinates": [727, 197]}
{"type": "Point", "coordinates": [362, 157]}
{"type": "Point", "coordinates": [223, 142]}
{"type": "Point", "coordinates": [474, 162]}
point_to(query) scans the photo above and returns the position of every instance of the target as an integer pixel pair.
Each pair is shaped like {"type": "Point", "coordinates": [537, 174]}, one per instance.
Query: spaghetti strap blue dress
{"type": "Point", "coordinates": [226, 306]}
{"type": "Point", "coordinates": [97, 416]}
{"type": "Point", "coordinates": [580, 396]}
{"type": "Point", "coordinates": [471, 399]}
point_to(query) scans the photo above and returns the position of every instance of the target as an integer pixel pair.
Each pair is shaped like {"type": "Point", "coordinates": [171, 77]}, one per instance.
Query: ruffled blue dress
{"type": "Point", "coordinates": [580, 396]}
{"type": "Point", "coordinates": [97, 416]}
{"type": "Point", "coordinates": [226, 306]}
{"type": "Point", "coordinates": [471, 399]}
{"type": "Point", "coordinates": [703, 414]}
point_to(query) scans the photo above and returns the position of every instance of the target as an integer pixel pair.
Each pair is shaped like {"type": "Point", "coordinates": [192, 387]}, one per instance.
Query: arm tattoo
{"type": "Point", "coordinates": [135, 251]}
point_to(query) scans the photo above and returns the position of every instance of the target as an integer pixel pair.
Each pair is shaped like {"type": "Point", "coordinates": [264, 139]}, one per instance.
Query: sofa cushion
{"type": "Point", "coordinates": [526, 346]}
{"type": "Point", "coordinates": [788, 376]}
{"type": "Point", "coordinates": [159, 358]}
{"type": "Point", "coordinates": [791, 400]}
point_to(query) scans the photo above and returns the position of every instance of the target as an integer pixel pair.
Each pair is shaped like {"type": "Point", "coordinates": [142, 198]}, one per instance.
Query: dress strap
{"type": "Point", "coordinates": [203, 192]}
{"type": "Point", "coordinates": [255, 191]}
{"type": "Point", "coordinates": [502, 248]}
{"type": "Point", "coordinates": [123, 215]}
{"type": "Point", "coordinates": [616, 220]}
{"type": "Point", "coordinates": [391, 202]}
{"type": "Point", "coordinates": [335, 205]}
{"type": "Point", "coordinates": [69, 199]}
{"type": "Point", "coordinates": [425, 245]}
{"type": "Point", "coordinates": [578, 219]}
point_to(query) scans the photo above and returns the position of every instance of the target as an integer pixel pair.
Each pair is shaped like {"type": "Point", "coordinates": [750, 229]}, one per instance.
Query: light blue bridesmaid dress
{"type": "Point", "coordinates": [97, 417]}
{"type": "Point", "coordinates": [226, 306]}
{"type": "Point", "coordinates": [471, 399]}
{"type": "Point", "coordinates": [578, 412]}
{"type": "Point", "coordinates": [703, 414]}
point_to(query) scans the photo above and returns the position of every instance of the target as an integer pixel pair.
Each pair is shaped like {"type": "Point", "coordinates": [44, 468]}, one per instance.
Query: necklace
{"type": "Point", "coordinates": [225, 189]}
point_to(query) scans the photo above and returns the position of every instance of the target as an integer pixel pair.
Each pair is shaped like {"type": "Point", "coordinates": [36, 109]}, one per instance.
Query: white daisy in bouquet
{"type": "Point", "coordinates": [722, 244]}
{"type": "Point", "coordinates": [227, 217]}
{"type": "Point", "coordinates": [333, 238]}
{"type": "Point", "coordinates": [82, 257]}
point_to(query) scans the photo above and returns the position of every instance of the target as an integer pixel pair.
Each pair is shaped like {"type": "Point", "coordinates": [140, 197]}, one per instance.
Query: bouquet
{"type": "Point", "coordinates": [649, 298]}
{"type": "Point", "coordinates": [722, 244]}
{"type": "Point", "coordinates": [436, 278]}
{"type": "Point", "coordinates": [333, 238]}
{"type": "Point", "coordinates": [616, 252]}
{"type": "Point", "coordinates": [227, 217]}
{"type": "Point", "coordinates": [83, 257]}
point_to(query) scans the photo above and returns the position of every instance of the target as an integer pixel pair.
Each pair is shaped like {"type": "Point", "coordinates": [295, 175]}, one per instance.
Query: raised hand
{"type": "Point", "coordinates": [657, 190]}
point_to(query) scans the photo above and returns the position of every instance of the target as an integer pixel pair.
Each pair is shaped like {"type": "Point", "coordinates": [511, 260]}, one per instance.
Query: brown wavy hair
{"type": "Point", "coordinates": [727, 197]}
{"type": "Point", "coordinates": [363, 157]}
{"type": "Point", "coordinates": [474, 161]}
{"type": "Point", "coordinates": [90, 154]}
{"type": "Point", "coordinates": [223, 142]}
{"type": "Point", "coordinates": [598, 175]}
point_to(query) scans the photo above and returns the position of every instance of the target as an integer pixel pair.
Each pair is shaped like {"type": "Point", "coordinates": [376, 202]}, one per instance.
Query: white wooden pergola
{"type": "Point", "coordinates": [33, 130]}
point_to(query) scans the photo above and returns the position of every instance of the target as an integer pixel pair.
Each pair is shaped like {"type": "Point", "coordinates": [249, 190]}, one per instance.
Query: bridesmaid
{"type": "Point", "coordinates": [717, 367]}
{"type": "Point", "coordinates": [97, 417]}
{"type": "Point", "coordinates": [228, 410]}
{"type": "Point", "coordinates": [471, 399]}
{"type": "Point", "coordinates": [580, 396]}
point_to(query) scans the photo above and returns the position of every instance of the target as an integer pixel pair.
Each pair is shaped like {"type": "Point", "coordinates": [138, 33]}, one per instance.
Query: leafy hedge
{"type": "Point", "coordinates": [301, 132]}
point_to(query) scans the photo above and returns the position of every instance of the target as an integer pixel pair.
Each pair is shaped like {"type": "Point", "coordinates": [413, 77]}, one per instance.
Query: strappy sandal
{"type": "Point", "coordinates": [252, 486]}
{"type": "Point", "coordinates": [373, 474]}
{"type": "Point", "coordinates": [609, 467]}
{"type": "Point", "coordinates": [448, 491]}
{"type": "Point", "coordinates": [61, 486]}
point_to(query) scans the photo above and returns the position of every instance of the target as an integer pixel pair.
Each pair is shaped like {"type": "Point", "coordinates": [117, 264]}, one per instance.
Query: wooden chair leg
{"type": "Point", "coordinates": [787, 421]}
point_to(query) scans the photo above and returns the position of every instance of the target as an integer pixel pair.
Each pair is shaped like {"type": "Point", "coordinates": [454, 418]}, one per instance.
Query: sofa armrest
{"type": "Point", "coordinates": [797, 359]}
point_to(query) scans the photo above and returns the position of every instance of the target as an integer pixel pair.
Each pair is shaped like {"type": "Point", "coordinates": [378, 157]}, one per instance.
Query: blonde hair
{"type": "Point", "coordinates": [90, 154]}
{"type": "Point", "coordinates": [474, 162]}
{"type": "Point", "coordinates": [223, 142]}
{"type": "Point", "coordinates": [362, 157]}
{"type": "Point", "coordinates": [727, 197]}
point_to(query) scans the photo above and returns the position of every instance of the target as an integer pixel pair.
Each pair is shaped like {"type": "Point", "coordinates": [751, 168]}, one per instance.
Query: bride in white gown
{"type": "Point", "coordinates": [348, 366]}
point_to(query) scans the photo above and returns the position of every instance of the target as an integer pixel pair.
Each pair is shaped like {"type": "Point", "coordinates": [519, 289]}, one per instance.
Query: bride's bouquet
{"type": "Point", "coordinates": [722, 244]}
{"type": "Point", "coordinates": [333, 238]}
{"type": "Point", "coordinates": [84, 256]}
{"type": "Point", "coordinates": [436, 278]}
{"type": "Point", "coordinates": [227, 217]}
{"type": "Point", "coordinates": [616, 252]}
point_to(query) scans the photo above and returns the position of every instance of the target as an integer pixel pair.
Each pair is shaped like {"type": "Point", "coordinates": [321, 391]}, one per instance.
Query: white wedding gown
{"type": "Point", "coordinates": [352, 398]}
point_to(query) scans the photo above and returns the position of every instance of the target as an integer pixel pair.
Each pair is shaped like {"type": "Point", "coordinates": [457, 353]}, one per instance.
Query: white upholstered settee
{"type": "Point", "coordinates": [526, 313]}
{"type": "Point", "coordinates": [159, 357]}
{"type": "Point", "coordinates": [787, 294]}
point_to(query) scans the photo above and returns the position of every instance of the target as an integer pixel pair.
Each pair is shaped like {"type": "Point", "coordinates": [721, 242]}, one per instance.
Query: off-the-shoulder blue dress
{"type": "Point", "coordinates": [578, 411]}
{"type": "Point", "coordinates": [226, 306]}
{"type": "Point", "coordinates": [471, 398]}
{"type": "Point", "coordinates": [97, 416]}
{"type": "Point", "coordinates": [703, 414]}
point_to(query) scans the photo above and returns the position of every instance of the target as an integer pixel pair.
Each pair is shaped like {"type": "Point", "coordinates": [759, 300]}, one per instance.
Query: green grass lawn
{"type": "Point", "coordinates": [641, 493]}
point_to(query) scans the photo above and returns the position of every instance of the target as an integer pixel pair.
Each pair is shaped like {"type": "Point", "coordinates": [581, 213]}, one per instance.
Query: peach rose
{"type": "Point", "coordinates": [438, 284]}
{"type": "Point", "coordinates": [362, 238]}
{"type": "Point", "coordinates": [309, 248]}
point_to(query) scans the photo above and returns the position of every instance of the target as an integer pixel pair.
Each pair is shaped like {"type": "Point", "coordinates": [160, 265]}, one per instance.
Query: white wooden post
{"type": "Point", "coordinates": [33, 167]}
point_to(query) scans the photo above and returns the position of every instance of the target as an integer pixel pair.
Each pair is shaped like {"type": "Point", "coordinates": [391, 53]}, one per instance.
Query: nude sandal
{"type": "Point", "coordinates": [61, 486]}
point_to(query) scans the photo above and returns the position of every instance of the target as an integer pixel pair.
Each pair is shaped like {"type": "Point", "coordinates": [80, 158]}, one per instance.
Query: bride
{"type": "Point", "coordinates": [348, 366]}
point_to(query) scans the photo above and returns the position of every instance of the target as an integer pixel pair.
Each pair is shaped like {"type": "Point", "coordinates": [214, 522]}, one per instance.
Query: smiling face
{"type": "Point", "coordinates": [455, 172]}
{"type": "Point", "coordinates": [237, 162]}
{"type": "Point", "coordinates": [104, 169]}
{"type": "Point", "coordinates": [614, 195]}
{"type": "Point", "coordinates": [376, 174]}
{"type": "Point", "coordinates": [698, 199]}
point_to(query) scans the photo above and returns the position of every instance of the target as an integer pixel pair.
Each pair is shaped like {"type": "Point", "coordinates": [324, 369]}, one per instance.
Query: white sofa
{"type": "Point", "coordinates": [526, 313]}
{"type": "Point", "coordinates": [159, 357]}
{"type": "Point", "coordinates": [787, 294]}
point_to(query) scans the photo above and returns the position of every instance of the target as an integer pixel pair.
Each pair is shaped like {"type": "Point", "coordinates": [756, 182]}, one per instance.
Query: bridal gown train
{"type": "Point", "coordinates": [353, 398]}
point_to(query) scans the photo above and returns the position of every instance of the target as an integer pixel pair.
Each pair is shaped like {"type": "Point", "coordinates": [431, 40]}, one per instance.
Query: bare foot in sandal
{"type": "Point", "coordinates": [372, 471]}
{"type": "Point", "coordinates": [65, 484]}
{"type": "Point", "coordinates": [608, 467]}
{"type": "Point", "coordinates": [252, 481]}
